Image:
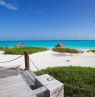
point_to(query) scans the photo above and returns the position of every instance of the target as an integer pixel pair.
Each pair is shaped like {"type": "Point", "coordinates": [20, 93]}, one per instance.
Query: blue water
{"type": "Point", "coordinates": [80, 44]}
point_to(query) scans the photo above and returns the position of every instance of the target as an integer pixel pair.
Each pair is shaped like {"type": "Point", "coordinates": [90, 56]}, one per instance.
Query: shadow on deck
{"type": "Point", "coordinates": [7, 72]}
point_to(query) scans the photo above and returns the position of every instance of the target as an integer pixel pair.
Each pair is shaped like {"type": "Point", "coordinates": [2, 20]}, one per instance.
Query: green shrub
{"type": "Point", "coordinates": [21, 50]}
{"type": "Point", "coordinates": [77, 76]}
{"type": "Point", "coordinates": [92, 51]}
{"type": "Point", "coordinates": [67, 50]}
{"type": "Point", "coordinates": [2, 48]}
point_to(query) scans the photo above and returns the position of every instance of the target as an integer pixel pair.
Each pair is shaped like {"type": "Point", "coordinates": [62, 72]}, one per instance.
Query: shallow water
{"type": "Point", "coordinates": [79, 44]}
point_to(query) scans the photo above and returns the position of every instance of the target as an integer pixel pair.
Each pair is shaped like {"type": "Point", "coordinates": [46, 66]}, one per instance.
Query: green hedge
{"type": "Point", "coordinates": [21, 50]}
{"type": "Point", "coordinates": [67, 50]}
{"type": "Point", "coordinates": [77, 76]}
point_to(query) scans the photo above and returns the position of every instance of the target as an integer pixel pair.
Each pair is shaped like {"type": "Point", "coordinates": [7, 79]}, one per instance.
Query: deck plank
{"type": "Point", "coordinates": [7, 72]}
{"type": "Point", "coordinates": [14, 87]}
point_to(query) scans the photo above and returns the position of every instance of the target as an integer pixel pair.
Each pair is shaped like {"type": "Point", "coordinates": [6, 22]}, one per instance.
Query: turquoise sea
{"type": "Point", "coordinates": [79, 44]}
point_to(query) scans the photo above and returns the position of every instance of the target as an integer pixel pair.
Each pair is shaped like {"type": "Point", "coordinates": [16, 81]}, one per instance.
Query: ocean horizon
{"type": "Point", "coordinates": [78, 44]}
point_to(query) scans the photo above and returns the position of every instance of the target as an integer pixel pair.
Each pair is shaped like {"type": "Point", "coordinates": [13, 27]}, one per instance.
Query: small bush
{"type": "Point", "coordinates": [2, 48]}
{"type": "Point", "coordinates": [65, 50]}
{"type": "Point", "coordinates": [30, 50]}
{"type": "Point", "coordinates": [92, 51]}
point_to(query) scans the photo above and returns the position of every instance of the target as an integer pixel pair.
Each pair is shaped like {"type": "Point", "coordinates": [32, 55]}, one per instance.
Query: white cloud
{"type": "Point", "coordinates": [8, 5]}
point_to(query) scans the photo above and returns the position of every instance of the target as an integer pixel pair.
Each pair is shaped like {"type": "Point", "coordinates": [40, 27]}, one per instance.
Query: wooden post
{"type": "Point", "coordinates": [27, 67]}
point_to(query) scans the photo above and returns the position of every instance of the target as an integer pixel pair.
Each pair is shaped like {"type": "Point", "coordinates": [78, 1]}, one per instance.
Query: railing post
{"type": "Point", "coordinates": [26, 57]}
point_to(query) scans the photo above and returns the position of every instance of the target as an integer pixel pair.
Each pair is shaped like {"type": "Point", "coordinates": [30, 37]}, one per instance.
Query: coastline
{"type": "Point", "coordinates": [77, 44]}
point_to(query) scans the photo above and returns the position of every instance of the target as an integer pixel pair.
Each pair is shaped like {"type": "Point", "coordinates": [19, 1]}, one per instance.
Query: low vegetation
{"type": "Point", "coordinates": [2, 48]}
{"type": "Point", "coordinates": [82, 77]}
{"type": "Point", "coordinates": [92, 51]}
{"type": "Point", "coordinates": [30, 50]}
{"type": "Point", "coordinates": [65, 50]}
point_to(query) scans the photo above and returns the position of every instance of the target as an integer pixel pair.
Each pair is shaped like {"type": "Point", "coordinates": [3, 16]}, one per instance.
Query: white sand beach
{"type": "Point", "coordinates": [51, 59]}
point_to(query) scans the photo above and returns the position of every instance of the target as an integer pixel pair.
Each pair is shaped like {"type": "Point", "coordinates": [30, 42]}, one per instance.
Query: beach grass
{"type": "Point", "coordinates": [2, 48]}
{"type": "Point", "coordinates": [92, 51]}
{"type": "Point", "coordinates": [30, 50]}
{"type": "Point", "coordinates": [83, 77]}
{"type": "Point", "coordinates": [65, 50]}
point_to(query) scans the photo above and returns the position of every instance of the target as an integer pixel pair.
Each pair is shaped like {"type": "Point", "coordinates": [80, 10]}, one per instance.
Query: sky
{"type": "Point", "coordinates": [47, 19]}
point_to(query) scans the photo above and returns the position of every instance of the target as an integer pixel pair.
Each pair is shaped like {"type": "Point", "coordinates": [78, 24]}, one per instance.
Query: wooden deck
{"type": "Point", "coordinates": [13, 85]}
{"type": "Point", "coordinates": [22, 85]}
{"type": "Point", "coordinates": [6, 72]}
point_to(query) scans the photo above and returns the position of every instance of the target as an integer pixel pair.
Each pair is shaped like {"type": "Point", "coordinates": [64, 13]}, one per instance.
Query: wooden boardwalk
{"type": "Point", "coordinates": [12, 85]}
{"type": "Point", "coordinates": [6, 72]}
{"type": "Point", "coordinates": [23, 85]}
